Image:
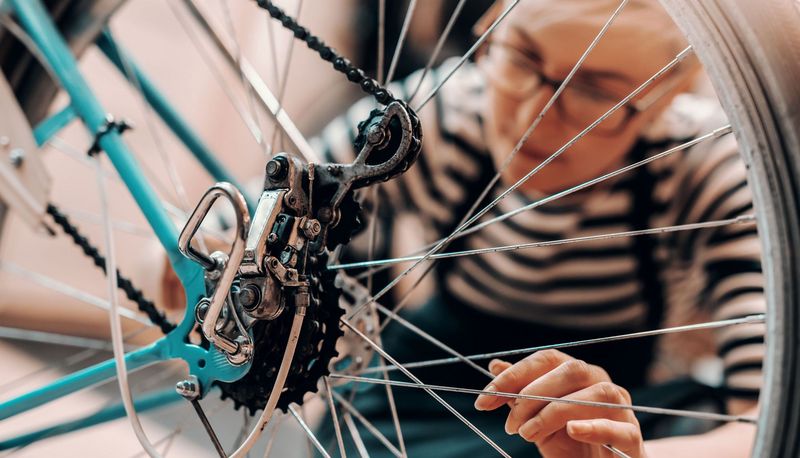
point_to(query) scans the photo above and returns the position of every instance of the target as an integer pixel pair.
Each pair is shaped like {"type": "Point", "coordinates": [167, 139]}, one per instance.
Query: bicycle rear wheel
{"type": "Point", "coordinates": [752, 54]}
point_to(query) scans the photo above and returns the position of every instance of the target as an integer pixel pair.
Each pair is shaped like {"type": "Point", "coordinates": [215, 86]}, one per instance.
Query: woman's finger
{"type": "Point", "coordinates": [555, 415]}
{"type": "Point", "coordinates": [602, 431]}
{"type": "Point", "coordinates": [497, 366]}
{"type": "Point", "coordinates": [517, 376]}
{"type": "Point", "coordinates": [570, 377]}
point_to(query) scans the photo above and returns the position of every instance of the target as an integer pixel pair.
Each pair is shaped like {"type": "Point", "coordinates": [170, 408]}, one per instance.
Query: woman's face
{"type": "Point", "coordinates": [628, 55]}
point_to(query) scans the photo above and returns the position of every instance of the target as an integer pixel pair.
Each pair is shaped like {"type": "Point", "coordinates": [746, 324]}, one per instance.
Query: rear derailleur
{"type": "Point", "coordinates": [276, 266]}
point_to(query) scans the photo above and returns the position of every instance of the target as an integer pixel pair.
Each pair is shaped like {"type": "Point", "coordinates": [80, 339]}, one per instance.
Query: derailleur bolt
{"type": "Point", "coordinates": [312, 228]}
{"type": "Point", "coordinates": [375, 135]}
{"type": "Point", "coordinates": [248, 297]}
{"type": "Point", "coordinates": [272, 237]}
{"type": "Point", "coordinates": [188, 388]}
{"type": "Point", "coordinates": [275, 169]}
{"type": "Point", "coordinates": [201, 309]}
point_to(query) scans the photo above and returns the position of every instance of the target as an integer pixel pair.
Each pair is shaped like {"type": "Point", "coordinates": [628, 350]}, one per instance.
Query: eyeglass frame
{"type": "Point", "coordinates": [632, 108]}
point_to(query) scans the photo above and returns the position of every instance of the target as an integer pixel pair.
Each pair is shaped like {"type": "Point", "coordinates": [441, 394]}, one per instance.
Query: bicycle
{"type": "Point", "coordinates": [752, 77]}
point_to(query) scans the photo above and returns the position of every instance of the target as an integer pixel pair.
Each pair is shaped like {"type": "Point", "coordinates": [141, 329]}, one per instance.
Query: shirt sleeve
{"type": "Point", "coordinates": [728, 257]}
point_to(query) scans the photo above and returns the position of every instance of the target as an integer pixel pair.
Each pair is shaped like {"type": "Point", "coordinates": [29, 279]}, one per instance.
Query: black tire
{"type": "Point", "coordinates": [751, 51]}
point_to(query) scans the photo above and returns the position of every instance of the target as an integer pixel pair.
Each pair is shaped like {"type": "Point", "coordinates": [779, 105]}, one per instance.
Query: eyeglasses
{"type": "Point", "coordinates": [520, 76]}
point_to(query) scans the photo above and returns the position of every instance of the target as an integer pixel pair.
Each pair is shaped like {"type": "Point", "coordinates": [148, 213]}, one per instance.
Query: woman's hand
{"type": "Point", "coordinates": [560, 429]}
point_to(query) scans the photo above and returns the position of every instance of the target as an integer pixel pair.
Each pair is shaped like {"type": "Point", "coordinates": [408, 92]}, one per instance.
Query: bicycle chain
{"type": "Point", "coordinates": [340, 63]}
{"type": "Point", "coordinates": [131, 292]}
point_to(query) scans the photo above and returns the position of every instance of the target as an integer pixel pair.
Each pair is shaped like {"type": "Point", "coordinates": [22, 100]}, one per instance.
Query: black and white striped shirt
{"type": "Point", "coordinates": [703, 274]}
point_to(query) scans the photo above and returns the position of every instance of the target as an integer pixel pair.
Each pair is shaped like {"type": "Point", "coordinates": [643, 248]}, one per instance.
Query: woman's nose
{"type": "Point", "coordinates": [550, 127]}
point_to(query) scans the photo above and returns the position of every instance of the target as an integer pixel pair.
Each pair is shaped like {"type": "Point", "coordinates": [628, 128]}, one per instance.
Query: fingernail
{"type": "Point", "coordinates": [483, 402]}
{"type": "Point", "coordinates": [493, 364]}
{"type": "Point", "coordinates": [510, 428]}
{"type": "Point", "coordinates": [529, 429]}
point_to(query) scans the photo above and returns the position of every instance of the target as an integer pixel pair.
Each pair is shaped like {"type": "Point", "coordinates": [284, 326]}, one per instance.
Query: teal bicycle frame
{"type": "Point", "coordinates": [207, 365]}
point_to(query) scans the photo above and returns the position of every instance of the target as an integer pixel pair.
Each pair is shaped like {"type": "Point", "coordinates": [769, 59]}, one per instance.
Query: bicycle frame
{"type": "Point", "coordinates": [207, 365]}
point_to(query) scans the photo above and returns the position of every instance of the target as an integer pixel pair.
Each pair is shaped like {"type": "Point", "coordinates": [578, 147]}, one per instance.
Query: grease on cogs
{"type": "Point", "coordinates": [315, 348]}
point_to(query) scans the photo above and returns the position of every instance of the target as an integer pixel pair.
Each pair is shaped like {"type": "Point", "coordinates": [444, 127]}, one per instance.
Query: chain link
{"type": "Point", "coordinates": [131, 292]}
{"type": "Point", "coordinates": [340, 63]}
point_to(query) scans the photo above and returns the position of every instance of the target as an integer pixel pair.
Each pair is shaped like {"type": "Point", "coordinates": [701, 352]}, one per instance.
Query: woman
{"type": "Point", "coordinates": [560, 293]}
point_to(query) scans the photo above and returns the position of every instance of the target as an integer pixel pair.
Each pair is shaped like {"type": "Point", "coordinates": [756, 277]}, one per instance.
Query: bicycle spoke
{"type": "Point", "coordinates": [169, 438]}
{"type": "Point", "coordinates": [680, 57]}
{"type": "Point", "coordinates": [283, 82]}
{"type": "Point", "coordinates": [437, 49]}
{"type": "Point", "coordinates": [265, 97]}
{"type": "Point", "coordinates": [462, 228]}
{"type": "Point", "coordinates": [334, 417]}
{"type": "Point", "coordinates": [62, 365]}
{"type": "Point", "coordinates": [635, 408]}
{"type": "Point", "coordinates": [435, 396]}
{"type": "Point", "coordinates": [413, 328]}
{"type": "Point", "coordinates": [249, 122]}
{"type": "Point", "coordinates": [362, 449]}
{"type": "Point", "coordinates": [56, 339]}
{"type": "Point", "coordinates": [166, 159]}
{"type": "Point", "coordinates": [309, 452]}
{"type": "Point", "coordinates": [168, 446]}
{"type": "Point", "coordinates": [468, 54]}
{"type": "Point", "coordinates": [120, 226]}
{"type": "Point", "coordinates": [507, 161]}
{"type": "Point", "coordinates": [374, 196]}
{"type": "Point", "coordinates": [114, 315]}
{"type": "Point", "coordinates": [272, 435]}
{"type": "Point", "coordinates": [244, 429]}
{"type": "Point", "coordinates": [547, 107]}
{"type": "Point", "coordinates": [744, 219]}
{"type": "Point", "coordinates": [63, 288]}
{"type": "Point", "coordinates": [28, 377]}
{"type": "Point", "coordinates": [111, 173]}
{"type": "Point", "coordinates": [367, 424]}
{"type": "Point", "coordinates": [392, 406]}
{"type": "Point", "coordinates": [412, 6]}
{"type": "Point", "coordinates": [716, 133]}
{"type": "Point", "coordinates": [308, 432]}
{"type": "Point", "coordinates": [616, 451]}
{"type": "Point", "coordinates": [381, 41]}
{"type": "Point", "coordinates": [237, 56]}
{"type": "Point", "coordinates": [750, 319]}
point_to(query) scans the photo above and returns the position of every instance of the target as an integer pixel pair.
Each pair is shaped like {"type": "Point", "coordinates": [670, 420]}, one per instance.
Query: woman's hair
{"type": "Point", "coordinates": [642, 30]}
{"type": "Point", "coordinates": [643, 23]}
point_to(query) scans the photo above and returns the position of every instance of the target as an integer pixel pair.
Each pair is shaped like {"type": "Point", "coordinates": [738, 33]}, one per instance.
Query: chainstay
{"type": "Point", "coordinates": [131, 292]}
{"type": "Point", "coordinates": [340, 63]}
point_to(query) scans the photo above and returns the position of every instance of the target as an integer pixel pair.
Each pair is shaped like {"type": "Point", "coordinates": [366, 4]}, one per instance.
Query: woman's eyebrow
{"type": "Point", "coordinates": [604, 76]}
{"type": "Point", "coordinates": [532, 49]}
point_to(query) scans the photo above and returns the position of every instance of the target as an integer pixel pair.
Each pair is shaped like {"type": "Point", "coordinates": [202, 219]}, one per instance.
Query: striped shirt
{"type": "Point", "coordinates": [700, 274]}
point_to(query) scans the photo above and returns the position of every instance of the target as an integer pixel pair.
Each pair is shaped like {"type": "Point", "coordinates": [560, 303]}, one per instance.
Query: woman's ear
{"type": "Point", "coordinates": [488, 17]}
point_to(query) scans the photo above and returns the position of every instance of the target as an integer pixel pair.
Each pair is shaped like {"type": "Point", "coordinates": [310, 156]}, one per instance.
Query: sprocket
{"type": "Point", "coordinates": [315, 349]}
